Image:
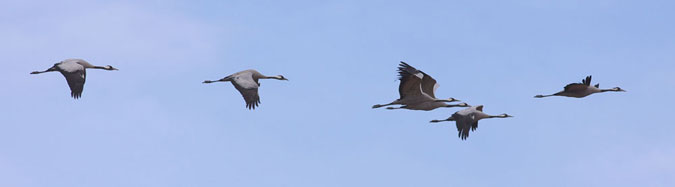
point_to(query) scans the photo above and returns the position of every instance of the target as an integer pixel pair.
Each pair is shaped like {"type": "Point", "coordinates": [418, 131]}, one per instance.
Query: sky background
{"type": "Point", "coordinates": [153, 123]}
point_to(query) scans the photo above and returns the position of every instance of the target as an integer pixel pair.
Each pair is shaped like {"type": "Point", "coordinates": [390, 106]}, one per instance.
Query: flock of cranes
{"type": "Point", "coordinates": [416, 90]}
{"type": "Point", "coordinates": [417, 93]}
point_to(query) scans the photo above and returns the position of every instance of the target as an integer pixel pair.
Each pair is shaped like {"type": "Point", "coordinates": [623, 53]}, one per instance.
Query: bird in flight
{"type": "Point", "coordinates": [416, 91]}
{"type": "Point", "coordinates": [582, 89]}
{"type": "Point", "coordinates": [75, 71]}
{"type": "Point", "coordinates": [467, 119]}
{"type": "Point", "coordinates": [247, 83]}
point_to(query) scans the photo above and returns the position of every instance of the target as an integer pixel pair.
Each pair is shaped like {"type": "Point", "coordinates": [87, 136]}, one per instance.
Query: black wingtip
{"type": "Point", "coordinates": [252, 106]}
{"type": "Point", "coordinates": [461, 136]}
{"type": "Point", "coordinates": [76, 95]}
{"type": "Point", "coordinates": [404, 65]}
{"type": "Point", "coordinates": [404, 69]}
{"type": "Point", "coordinates": [587, 81]}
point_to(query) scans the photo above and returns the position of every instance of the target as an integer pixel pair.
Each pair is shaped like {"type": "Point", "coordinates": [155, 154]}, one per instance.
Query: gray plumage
{"type": "Point", "coordinates": [467, 119]}
{"type": "Point", "coordinates": [582, 89]}
{"type": "Point", "coordinates": [246, 82]}
{"type": "Point", "coordinates": [75, 72]}
{"type": "Point", "coordinates": [416, 91]}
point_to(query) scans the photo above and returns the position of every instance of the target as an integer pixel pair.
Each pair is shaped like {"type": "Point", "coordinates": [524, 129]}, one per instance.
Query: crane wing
{"type": "Point", "coordinates": [464, 125]}
{"type": "Point", "coordinates": [248, 89]}
{"type": "Point", "coordinates": [75, 81]}
{"type": "Point", "coordinates": [577, 87]}
{"type": "Point", "coordinates": [411, 80]}
{"type": "Point", "coordinates": [586, 81]}
{"type": "Point", "coordinates": [410, 86]}
{"type": "Point", "coordinates": [429, 85]}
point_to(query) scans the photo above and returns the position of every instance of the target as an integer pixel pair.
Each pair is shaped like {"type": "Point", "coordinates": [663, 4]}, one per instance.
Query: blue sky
{"type": "Point", "coordinates": [154, 124]}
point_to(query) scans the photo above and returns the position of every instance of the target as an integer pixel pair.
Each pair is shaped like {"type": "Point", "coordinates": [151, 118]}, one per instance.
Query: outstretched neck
{"type": "Point", "coordinates": [608, 90]}
{"type": "Point", "coordinates": [499, 116]}
{"type": "Point", "coordinates": [453, 105]}
{"type": "Point", "coordinates": [445, 100]}
{"type": "Point", "coordinates": [278, 77]}
{"type": "Point", "coordinates": [109, 68]}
